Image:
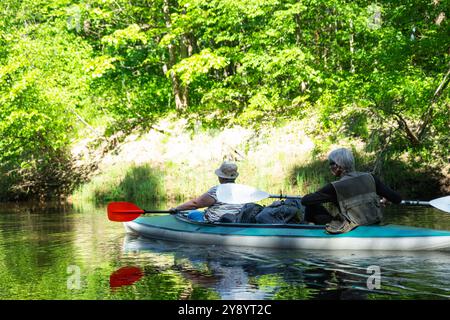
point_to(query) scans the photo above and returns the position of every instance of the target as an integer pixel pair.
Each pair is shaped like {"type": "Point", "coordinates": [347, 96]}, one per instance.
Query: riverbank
{"type": "Point", "coordinates": [172, 163]}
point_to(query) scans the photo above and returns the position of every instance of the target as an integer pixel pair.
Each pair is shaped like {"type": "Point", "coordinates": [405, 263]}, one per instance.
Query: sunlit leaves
{"type": "Point", "coordinates": [130, 35]}
{"type": "Point", "coordinates": [199, 64]}
{"type": "Point", "coordinates": [100, 65]}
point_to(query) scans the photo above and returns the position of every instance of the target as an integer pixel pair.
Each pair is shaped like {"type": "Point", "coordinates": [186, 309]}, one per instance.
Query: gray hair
{"type": "Point", "coordinates": [343, 158]}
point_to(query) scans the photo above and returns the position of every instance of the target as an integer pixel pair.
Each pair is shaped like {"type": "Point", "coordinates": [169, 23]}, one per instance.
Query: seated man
{"type": "Point", "coordinates": [227, 173]}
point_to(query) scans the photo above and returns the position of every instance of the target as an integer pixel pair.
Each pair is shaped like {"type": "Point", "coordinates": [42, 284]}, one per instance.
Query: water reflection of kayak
{"type": "Point", "coordinates": [236, 272]}
{"type": "Point", "coordinates": [226, 272]}
{"type": "Point", "coordinates": [376, 237]}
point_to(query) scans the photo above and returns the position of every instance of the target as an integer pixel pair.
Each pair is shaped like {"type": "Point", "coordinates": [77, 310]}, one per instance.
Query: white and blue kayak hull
{"type": "Point", "coordinates": [299, 237]}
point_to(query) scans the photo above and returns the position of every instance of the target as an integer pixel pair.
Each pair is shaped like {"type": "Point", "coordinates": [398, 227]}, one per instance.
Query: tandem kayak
{"type": "Point", "coordinates": [287, 236]}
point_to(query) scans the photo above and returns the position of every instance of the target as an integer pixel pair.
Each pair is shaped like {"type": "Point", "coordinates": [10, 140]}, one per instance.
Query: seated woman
{"type": "Point", "coordinates": [215, 210]}
{"type": "Point", "coordinates": [356, 195]}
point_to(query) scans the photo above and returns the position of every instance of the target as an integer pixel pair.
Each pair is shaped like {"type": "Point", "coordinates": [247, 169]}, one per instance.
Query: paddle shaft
{"type": "Point", "coordinates": [158, 211]}
{"type": "Point", "coordinates": [415, 203]}
{"type": "Point", "coordinates": [131, 211]}
{"type": "Point", "coordinates": [404, 202]}
{"type": "Point", "coordinates": [281, 196]}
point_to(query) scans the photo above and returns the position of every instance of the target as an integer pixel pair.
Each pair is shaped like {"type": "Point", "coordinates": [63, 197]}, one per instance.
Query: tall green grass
{"type": "Point", "coordinates": [175, 183]}
{"type": "Point", "coordinates": [125, 182]}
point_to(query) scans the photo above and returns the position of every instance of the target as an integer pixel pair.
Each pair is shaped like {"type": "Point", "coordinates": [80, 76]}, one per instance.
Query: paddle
{"type": "Point", "coordinates": [126, 211]}
{"type": "Point", "coordinates": [234, 193]}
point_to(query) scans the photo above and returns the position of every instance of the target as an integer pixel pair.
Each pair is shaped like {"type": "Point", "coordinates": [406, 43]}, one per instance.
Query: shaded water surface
{"type": "Point", "coordinates": [67, 252]}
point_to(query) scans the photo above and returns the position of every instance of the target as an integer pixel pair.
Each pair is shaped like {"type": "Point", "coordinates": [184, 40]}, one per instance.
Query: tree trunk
{"type": "Point", "coordinates": [298, 30]}
{"type": "Point", "coordinates": [428, 115]}
{"type": "Point", "coordinates": [180, 92]}
{"type": "Point", "coordinates": [352, 49]}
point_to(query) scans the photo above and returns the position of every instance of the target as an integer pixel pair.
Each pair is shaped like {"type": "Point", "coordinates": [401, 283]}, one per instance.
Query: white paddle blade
{"type": "Point", "coordinates": [234, 193]}
{"type": "Point", "coordinates": [441, 203]}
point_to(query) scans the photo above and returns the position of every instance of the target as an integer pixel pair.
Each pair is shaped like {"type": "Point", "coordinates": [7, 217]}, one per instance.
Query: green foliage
{"type": "Point", "coordinates": [140, 184]}
{"type": "Point", "coordinates": [38, 92]}
{"type": "Point", "coordinates": [198, 64]}
{"type": "Point", "coordinates": [359, 70]}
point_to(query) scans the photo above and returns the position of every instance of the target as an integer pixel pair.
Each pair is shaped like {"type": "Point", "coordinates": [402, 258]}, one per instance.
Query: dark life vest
{"type": "Point", "coordinates": [357, 198]}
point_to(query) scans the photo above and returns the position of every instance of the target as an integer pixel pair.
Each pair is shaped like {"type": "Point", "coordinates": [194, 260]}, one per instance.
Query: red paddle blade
{"type": "Point", "coordinates": [125, 276]}
{"type": "Point", "coordinates": [123, 211]}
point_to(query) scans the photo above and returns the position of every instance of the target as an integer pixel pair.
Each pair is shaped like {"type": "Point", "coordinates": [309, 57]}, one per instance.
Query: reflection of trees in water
{"type": "Point", "coordinates": [34, 250]}
{"type": "Point", "coordinates": [300, 282]}
{"type": "Point", "coordinates": [31, 237]}
{"type": "Point", "coordinates": [255, 274]}
{"type": "Point", "coordinates": [251, 273]}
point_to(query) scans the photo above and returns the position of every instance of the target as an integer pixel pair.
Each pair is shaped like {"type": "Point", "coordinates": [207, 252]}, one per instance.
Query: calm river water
{"type": "Point", "coordinates": [75, 252]}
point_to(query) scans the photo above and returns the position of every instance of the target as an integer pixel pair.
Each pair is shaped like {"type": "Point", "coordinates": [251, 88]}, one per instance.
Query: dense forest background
{"type": "Point", "coordinates": [373, 71]}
